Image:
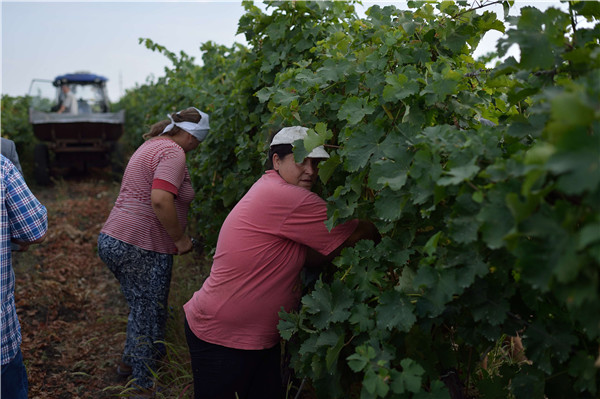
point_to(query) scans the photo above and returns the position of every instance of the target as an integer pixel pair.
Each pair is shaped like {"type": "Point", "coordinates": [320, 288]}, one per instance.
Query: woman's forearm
{"type": "Point", "coordinates": [365, 230]}
{"type": "Point", "coordinates": [163, 204]}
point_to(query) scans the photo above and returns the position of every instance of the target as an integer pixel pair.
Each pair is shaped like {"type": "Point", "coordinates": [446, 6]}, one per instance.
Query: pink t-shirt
{"type": "Point", "coordinates": [256, 269]}
{"type": "Point", "coordinates": [157, 163]}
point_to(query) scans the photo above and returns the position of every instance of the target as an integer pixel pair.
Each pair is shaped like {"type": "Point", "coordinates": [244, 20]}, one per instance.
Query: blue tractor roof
{"type": "Point", "coordinates": [83, 78]}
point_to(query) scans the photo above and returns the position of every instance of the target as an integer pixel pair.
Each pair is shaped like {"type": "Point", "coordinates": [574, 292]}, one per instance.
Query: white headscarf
{"type": "Point", "coordinates": [198, 130]}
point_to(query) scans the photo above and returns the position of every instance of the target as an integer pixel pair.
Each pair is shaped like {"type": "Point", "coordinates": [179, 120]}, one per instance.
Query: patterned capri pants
{"type": "Point", "coordinates": [145, 278]}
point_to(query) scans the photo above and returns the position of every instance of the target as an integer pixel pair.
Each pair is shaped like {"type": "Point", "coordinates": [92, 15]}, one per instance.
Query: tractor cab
{"type": "Point", "coordinates": [88, 89]}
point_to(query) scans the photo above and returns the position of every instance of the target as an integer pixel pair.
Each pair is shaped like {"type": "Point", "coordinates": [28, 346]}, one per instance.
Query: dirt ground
{"type": "Point", "coordinates": [72, 313]}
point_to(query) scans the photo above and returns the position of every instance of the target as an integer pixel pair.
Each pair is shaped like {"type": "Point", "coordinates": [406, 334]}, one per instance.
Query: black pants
{"type": "Point", "coordinates": [222, 373]}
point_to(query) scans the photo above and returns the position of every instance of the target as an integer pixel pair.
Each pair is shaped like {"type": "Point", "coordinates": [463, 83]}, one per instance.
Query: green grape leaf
{"type": "Point", "coordinates": [361, 358]}
{"type": "Point", "coordinates": [536, 51]}
{"type": "Point", "coordinates": [494, 312]}
{"type": "Point", "coordinates": [333, 353]}
{"type": "Point", "coordinates": [432, 243]}
{"type": "Point", "coordinates": [395, 312]}
{"type": "Point", "coordinates": [360, 147]}
{"type": "Point", "coordinates": [287, 325]}
{"type": "Point", "coordinates": [327, 338]}
{"type": "Point", "coordinates": [464, 229]}
{"type": "Point", "coordinates": [362, 316]}
{"type": "Point", "coordinates": [399, 87]}
{"type": "Point", "coordinates": [284, 97]}
{"type": "Point", "coordinates": [496, 220]}
{"type": "Point", "coordinates": [439, 285]}
{"type": "Point", "coordinates": [373, 383]}
{"type": "Point", "coordinates": [409, 379]}
{"type": "Point", "coordinates": [441, 86]}
{"type": "Point", "coordinates": [265, 94]}
{"type": "Point", "coordinates": [328, 304]}
{"type": "Point", "coordinates": [317, 136]}
{"type": "Point", "coordinates": [459, 174]}
{"type": "Point", "coordinates": [387, 173]}
{"type": "Point", "coordinates": [328, 167]}
{"type": "Point", "coordinates": [354, 110]}
{"type": "Point", "coordinates": [388, 205]}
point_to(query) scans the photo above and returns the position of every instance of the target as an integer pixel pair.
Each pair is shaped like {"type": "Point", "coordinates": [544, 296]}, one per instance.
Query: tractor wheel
{"type": "Point", "coordinates": [41, 167]}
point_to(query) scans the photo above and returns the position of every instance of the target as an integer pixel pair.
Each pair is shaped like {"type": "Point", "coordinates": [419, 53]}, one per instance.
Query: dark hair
{"type": "Point", "coordinates": [186, 115]}
{"type": "Point", "coordinates": [281, 150]}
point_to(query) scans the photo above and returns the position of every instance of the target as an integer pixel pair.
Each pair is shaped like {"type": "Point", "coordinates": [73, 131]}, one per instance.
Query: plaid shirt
{"type": "Point", "coordinates": [22, 217]}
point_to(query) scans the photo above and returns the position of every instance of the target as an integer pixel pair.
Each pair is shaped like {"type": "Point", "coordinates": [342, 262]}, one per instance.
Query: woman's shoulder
{"type": "Point", "coordinates": [162, 142]}
{"type": "Point", "coordinates": [163, 146]}
{"type": "Point", "coordinates": [288, 193]}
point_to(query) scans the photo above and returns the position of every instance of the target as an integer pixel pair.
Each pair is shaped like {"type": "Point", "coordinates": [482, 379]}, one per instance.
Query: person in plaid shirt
{"type": "Point", "coordinates": [24, 221]}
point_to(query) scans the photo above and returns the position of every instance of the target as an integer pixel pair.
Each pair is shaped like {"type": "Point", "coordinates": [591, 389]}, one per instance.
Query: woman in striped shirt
{"type": "Point", "coordinates": [145, 228]}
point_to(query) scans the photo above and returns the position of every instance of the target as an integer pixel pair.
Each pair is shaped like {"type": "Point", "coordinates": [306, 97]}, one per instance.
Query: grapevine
{"type": "Point", "coordinates": [484, 183]}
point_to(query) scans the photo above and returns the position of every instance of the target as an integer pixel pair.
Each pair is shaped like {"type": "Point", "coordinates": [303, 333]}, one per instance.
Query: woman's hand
{"type": "Point", "coordinates": [184, 245]}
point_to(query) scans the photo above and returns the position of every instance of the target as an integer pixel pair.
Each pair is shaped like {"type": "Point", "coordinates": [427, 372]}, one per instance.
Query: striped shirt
{"type": "Point", "coordinates": [22, 217]}
{"type": "Point", "coordinates": [157, 163]}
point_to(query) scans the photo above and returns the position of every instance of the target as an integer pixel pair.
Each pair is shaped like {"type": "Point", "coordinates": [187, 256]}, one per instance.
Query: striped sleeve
{"type": "Point", "coordinates": [164, 185]}
{"type": "Point", "coordinates": [171, 167]}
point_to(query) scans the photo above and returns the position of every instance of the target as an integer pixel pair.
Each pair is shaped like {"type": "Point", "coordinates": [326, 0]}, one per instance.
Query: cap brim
{"type": "Point", "coordinates": [318, 152]}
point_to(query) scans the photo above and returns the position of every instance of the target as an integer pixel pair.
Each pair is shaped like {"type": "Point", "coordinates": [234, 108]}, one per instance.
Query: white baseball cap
{"type": "Point", "coordinates": [288, 135]}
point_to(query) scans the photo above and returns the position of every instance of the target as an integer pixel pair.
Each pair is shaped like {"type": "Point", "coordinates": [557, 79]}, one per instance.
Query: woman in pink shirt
{"type": "Point", "coordinates": [145, 228]}
{"type": "Point", "coordinates": [270, 235]}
